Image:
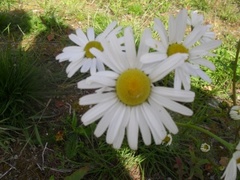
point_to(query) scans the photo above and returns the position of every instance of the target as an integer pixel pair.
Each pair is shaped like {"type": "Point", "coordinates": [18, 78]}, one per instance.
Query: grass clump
{"type": "Point", "coordinates": [22, 86]}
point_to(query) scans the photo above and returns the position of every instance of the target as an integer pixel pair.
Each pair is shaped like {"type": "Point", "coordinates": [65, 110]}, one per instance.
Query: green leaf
{"type": "Point", "coordinates": [52, 177]}
{"type": "Point", "coordinates": [78, 174]}
{"type": "Point", "coordinates": [71, 145]}
{"type": "Point", "coordinates": [37, 135]}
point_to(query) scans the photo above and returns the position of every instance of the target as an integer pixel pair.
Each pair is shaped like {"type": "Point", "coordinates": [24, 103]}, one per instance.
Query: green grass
{"type": "Point", "coordinates": [22, 86]}
{"type": "Point", "coordinates": [40, 29]}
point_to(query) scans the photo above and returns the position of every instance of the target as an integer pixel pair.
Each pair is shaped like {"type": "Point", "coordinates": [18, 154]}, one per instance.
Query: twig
{"type": "Point", "coordinates": [61, 170]}
{"type": "Point", "coordinates": [70, 108]}
{"type": "Point", "coordinates": [11, 167]}
{"type": "Point", "coordinates": [43, 155]}
{"type": "Point", "coordinates": [235, 74]}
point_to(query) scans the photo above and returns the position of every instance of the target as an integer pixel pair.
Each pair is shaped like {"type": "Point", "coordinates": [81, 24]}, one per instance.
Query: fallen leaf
{"type": "Point", "coordinates": [59, 103]}
{"type": "Point", "coordinates": [224, 161]}
{"type": "Point", "coordinates": [50, 37]}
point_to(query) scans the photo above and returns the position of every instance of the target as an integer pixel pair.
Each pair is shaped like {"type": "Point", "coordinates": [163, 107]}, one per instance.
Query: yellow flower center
{"type": "Point", "coordinates": [206, 147]}
{"type": "Point", "coordinates": [92, 44]}
{"type": "Point", "coordinates": [238, 111]}
{"type": "Point", "coordinates": [238, 160]}
{"type": "Point", "coordinates": [166, 139]}
{"type": "Point", "coordinates": [133, 87]}
{"type": "Point", "coordinates": [176, 48]}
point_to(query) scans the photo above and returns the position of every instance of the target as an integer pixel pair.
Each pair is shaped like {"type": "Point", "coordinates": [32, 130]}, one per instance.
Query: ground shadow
{"type": "Point", "coordinates": [50, 146]}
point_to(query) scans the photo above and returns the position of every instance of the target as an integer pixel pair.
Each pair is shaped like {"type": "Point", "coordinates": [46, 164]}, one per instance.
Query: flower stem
{"type": "Point", "coordinates": [229, 146]}
{"type": "Point", "coordinates": [235, 73]}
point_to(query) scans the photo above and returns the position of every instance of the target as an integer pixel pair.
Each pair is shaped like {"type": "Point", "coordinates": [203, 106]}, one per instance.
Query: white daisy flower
{"type": "Point", "coordinates": [230, 172]}
{"type": "Point", "coordinates": [195, 20]}
{"type": "Point", "coordinates": [174, 42]}
{"type": "Point", "coordinates": [167, 140]}
{"type": "Point", "coordinates": [235, 113]}
{"type": "Point", "coordinates": [79, 56]}
{"type": "Point", "coordinates": [128, 99]}
{"type": "Point", "coordinates": [205, 147]}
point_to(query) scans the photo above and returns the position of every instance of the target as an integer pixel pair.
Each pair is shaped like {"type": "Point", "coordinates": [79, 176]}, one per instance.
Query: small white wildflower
{"type": "Point", "coordinates": [235, 113]}
{"type": "Point", "coordinates": [167, 140]}
{"type": "Point", "coordinates": [205, 147]}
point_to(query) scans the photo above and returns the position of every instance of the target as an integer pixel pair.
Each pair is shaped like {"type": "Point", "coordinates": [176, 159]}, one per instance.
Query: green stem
{"type": "Point", "coordinates": [235, 74]}
{"type": "Point", "coordinates": [229, 146]}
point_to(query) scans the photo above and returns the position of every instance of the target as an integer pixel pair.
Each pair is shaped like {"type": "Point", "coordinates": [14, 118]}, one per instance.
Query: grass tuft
{"type": "Point", "coordinates": [22, 86]}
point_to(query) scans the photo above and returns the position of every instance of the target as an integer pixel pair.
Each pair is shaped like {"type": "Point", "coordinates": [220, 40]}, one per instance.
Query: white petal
{"type": "Point", "coordinates": [130, 47]}
{"type": "Point", "coordinates": [181, 23]}
{"type": "Point", "coordinates": [143, 48]}
{"type": "Point", "coordinates": [172, 29]}
{"type": "Point", "coordinates": [167, 66]}
{"type": "Point", "coordinates": [90, 34]}
{"type": "Point", "coordinates": [159, 27]}
{"type": "Point", "coordinates": [73, 49]}
{"type": "Point", "coordinates": [100, 66]}
{"type": "Point", "coordinates": [168, 121]}
{"type": "Point", "coordinates": [116, 54]}
{"type": "Point", "coordinates": [156, 45]}
{"type": "Point", "coordinates": [204, 62]}
{"type": "Point", "coordinates": [194, 36]}
{"type": "Point", "coordinates": [93, 68]}
{"type": "Point", "coordinates": [107, 57]}
{"type": "Point", "coordinates": [96, 112]}
{"type": "Point", "coordinates": [177, 80]}
{"type": "Point", "coordinates": [144, 129]}
{"type": "Point", "coordinates": [74, 67]}
{"type": "Point", "coordinates": [86, 85]}
{"type": "Point", "coordinates": [189, 69]}
{"type": "Point", "coordinates": [169, 104]}
{"type": "Point", "coordinates": [107, 74]}
{"type": "Point", "coordinates": [185, 77]}
{"type": "Point", "coordinates": [153, 57]}
{"type": "Point", "coordinates": [230, 172]}
{"type": "Point", "coordinates": [107, 31]}
{"type": "Point", "coordinates": [115, 124]}
{"type": "Point", "coordinates": [105, 81]}
{"type": "Point", "coordinates": [96, 98]}
{"type": "Point", "coordinates": [104, 122]}
{"type": "Point", "coordinates": [203, 48]}
{"type": "Point", "coordinates": [74, 38]}
{"type": "Point", "coordinates": [119, 138]}
{"type": "Point", "coordinates": [69, 56]}
{"type": "Point", "coordinates": [86, 66]}
{"type": "Point", "coordinates": [156, 126]}
{"type": "Point", "coordinates": [164, 117]}
{"type": "Point", "coordinates": [132, 130]}
{"type": "Point", "coordinates": [203, 75]}
{"type": "Point", "coordinates": [82, 37]}
{"type": "Point", "coordinates": [238, 146]}
{"type": "Point", "coordinates": [174, 94]}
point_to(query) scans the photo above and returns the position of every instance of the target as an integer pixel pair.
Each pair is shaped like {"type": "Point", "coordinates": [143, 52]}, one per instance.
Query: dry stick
{"type": "Point", "coordinates": [4, 174]}
{"type": "Point", "coordinates": [234, 83]}
{"type": "Point", "coordinates": [235, 74]}
{"type": "Point", "coordinates": [43, 155]}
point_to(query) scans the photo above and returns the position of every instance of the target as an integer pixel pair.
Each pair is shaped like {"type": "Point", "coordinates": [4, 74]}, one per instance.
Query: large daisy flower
{"type": "Point", "coordinates": [79, 56]}
{"type": "Point", "coordinates": [173, 42]}
{"type": "Point", "coordinates": [127, 98]}
{"type": "Point", "coordinates": [230, 172]}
